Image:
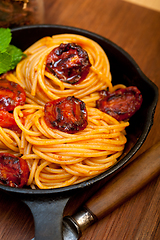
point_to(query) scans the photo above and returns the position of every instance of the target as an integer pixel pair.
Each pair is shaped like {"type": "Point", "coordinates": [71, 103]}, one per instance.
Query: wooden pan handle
{"type": "Point", "coordinates": [126, 183]}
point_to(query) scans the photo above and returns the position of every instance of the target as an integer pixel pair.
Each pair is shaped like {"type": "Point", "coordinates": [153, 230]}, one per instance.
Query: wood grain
{"type": "Point", "coordinates": [126, 183]}
{"type": "Point", "coordinates": [136, 30]}
{"type": "Point", "coordinates": [154, 4]}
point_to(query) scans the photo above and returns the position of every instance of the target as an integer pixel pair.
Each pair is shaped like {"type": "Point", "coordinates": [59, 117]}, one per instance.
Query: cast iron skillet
{"type": "Point", "coordinates": [47, 206]}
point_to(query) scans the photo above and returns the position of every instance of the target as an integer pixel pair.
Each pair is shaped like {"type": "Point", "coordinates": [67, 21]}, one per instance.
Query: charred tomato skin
{"type": "Point", "coordinates": [121, 104]}
{"type": "Point", "coordinates": [67, 114]}
{"type": "Point", "coordinates": [11, 95]}
{"type": "Point", "coordinates": [69, 62]}
{"type": "Point", "coordinates": [14, 171]}
{"type": "Point", "coordinates": [7, 121]}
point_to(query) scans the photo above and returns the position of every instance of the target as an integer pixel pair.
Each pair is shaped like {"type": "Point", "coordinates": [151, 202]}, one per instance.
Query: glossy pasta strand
{"type": "Point", "coordinates": [55, 158]}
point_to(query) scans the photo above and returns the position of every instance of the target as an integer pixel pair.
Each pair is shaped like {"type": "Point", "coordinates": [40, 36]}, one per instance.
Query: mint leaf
{"type": "Point", "coordinates": [5, 62]}
{"type": "Point", "coordinates": [16, 55]}
{"type": "Point", "coordinates": [5, 38]}
{"type": "Point", "coordinates": [10, 55]}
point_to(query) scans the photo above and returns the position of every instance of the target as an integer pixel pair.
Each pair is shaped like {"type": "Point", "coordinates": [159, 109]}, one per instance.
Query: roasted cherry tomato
{"type": "Point", "coordinates": [67, 114]}
{"type": "Point", "coordinates": [11, 95]}
{"type": "Point", "coordinates": [69, 62]}
{"type": "Point", "coordinates": [14, 171]}
{"type": "Point", "coordinates": [7, 121]}
{"type": "Point", "coordinates": [121, 104]}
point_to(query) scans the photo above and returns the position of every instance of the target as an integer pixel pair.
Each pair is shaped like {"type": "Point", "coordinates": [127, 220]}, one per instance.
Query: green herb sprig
{"type": "Point", "coordinates": [10, 55]}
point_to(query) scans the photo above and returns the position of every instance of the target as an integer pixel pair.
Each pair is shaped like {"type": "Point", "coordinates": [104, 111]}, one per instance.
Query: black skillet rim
{"type": "Point", "coordinates": [133, 150]}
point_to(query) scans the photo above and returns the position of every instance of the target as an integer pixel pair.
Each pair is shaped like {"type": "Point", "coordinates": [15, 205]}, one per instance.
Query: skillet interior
{"type": "Point", "coordinates": [124, 70]}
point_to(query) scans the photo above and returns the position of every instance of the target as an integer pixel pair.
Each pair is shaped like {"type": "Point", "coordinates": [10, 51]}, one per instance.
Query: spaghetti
{"type": "Point", "coordinates": [43, 85]}
{"type": "Point", "coordinates": [56, 158]}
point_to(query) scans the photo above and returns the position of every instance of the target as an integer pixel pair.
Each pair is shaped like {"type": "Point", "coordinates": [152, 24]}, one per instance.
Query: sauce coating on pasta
{"type": "Point", "coordinates": [121, 104]}
{"type": "Point", "coordinates": [67, 114]}
{"type": "Point", "coordinates": [69, 62]}
{"type": "Point", "coordinates": [56, 157]}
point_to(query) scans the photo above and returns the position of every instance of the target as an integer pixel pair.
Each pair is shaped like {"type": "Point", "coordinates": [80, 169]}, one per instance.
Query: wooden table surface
{"type": "Point", "coordinates": [137, 30]}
